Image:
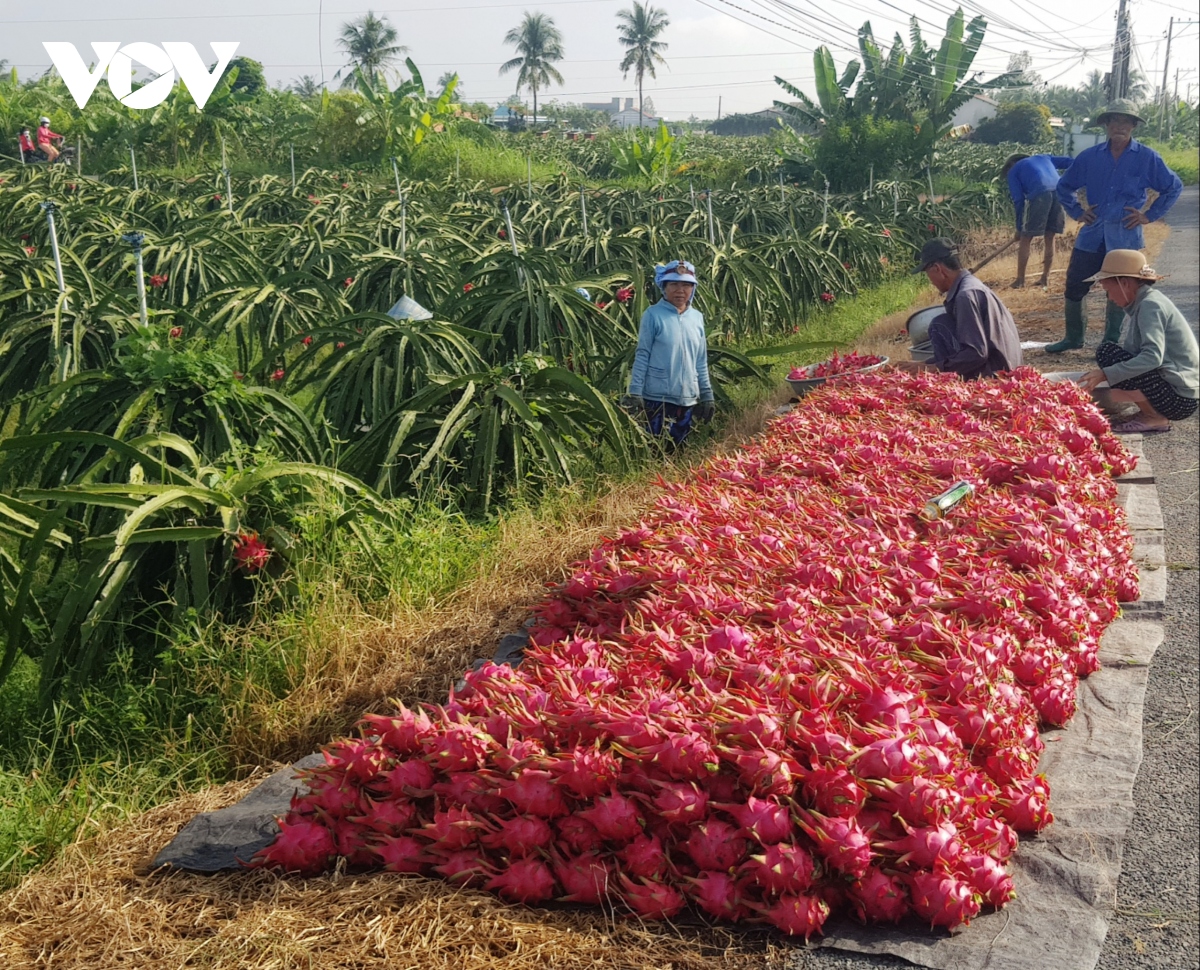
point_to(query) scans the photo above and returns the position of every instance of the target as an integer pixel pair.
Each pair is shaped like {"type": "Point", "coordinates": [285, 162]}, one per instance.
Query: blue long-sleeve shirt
{"type": "Point", "coordinates": [1112, 187]}
{"type": "Point", "coordinates": [671, 362]}
{"type": "Point", "coordinates": [1032, 177]}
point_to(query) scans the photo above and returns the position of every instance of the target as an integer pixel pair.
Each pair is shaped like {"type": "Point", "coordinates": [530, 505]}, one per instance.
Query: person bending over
{"type": "Point", "coordinates": [1032, 180]}
{"type": "Point", "coordinates": [975, 336]}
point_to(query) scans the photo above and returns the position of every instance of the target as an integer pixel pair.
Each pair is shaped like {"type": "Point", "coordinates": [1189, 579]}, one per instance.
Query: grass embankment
{"type": "Point", "coordinates": [340, 638]}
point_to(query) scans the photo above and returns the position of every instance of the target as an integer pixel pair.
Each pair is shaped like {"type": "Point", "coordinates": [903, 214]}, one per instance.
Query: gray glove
{"type": "Point", "coordinates": [706, 410]}
{"type": "Point", "coordinates": [632, 403]}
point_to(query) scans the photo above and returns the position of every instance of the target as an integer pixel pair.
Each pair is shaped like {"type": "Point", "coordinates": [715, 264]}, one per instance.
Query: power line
{"type": "Point", "coordinates": [294, 14]}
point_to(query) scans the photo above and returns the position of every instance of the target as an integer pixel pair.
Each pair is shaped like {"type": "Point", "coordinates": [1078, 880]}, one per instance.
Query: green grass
{"type": "Point", "coordinates": [841, 324]}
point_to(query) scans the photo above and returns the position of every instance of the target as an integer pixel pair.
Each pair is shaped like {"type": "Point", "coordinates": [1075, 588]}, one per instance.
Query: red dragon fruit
{"type": "Point", "coordinates": [535, 793]}
{"type": "Point", "coordinates": [797, 915]}
{"type": "Point", "coordinates": [719, 895]}
{"type": "Point", "coordinates": [578, 834]}
{"type": "Point", "coordinates": [644, 857]}
{"type": "Point", "coordinates": [402, 853]}
{"type": "Point", "coordinates": [1026, 806]}
{"type": "Point", "coordinates": [764, 820]}
{"type": "Point", "coordinates": [986, 877]}
{"type": "Point", "coordinates": [464, 867]}
{"type": "Point", "coordinates": [615, 817]}
{"type": "Point", "coordinates": [454, 828]}
{"type": "Point", "coordinates": [524, 881]}
{"type": "Point", "coordinates": [716, 845]}
{"type": "Point", "coordinates": [879, 897]}
{"type": "Point", "coordinates": [402, 732]}
{"type": "Point", "coordinates": [782, 868]}
{"type": "Point", "coordinates": [302, 846]}
{"type": "Point", "coordinates": [649, 899]}
{"type": "Point", "coordinates": [927, 846]}
{"type": "Point", "coordinates": [834, 791]}
{"type": "Point", "coordinates": [520, 836]}
{"type": "Point", "coordinates": [840, 841]}
{"type": "Point", "coordinates": [942, 898]}
{"type": "Point", "coordinates": [680, 802]}
{"type": "Point", "coordinates": [584, 878]}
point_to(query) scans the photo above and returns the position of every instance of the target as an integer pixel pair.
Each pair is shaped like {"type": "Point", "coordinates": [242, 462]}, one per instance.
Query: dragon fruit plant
{"type": "Point", "coordinates": [783, 694]}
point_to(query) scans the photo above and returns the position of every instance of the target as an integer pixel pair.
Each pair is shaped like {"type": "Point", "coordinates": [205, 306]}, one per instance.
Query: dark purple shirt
{"type": "Point", "coordinates": [987, 337]}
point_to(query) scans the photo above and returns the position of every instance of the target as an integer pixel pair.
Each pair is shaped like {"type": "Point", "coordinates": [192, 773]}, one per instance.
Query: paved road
{"type": "Point", "coordinates": [1156, 921]}
{"type": "Point", "coordinates": [1155, 927]}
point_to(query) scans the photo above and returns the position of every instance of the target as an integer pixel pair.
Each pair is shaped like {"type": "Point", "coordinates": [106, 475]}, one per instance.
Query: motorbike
{"type": "Point", "coordinates": [66, 155]}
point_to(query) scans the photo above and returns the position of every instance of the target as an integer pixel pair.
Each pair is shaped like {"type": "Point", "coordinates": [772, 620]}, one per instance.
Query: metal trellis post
{"type": "Point", "coordinates": [712, 238]}
{"type": "Point", "coordinates": [133, 165]}
{"type": "Point", "coordinates": [292, 154]}
{"type": "Point", "coordinates": [135, 239]}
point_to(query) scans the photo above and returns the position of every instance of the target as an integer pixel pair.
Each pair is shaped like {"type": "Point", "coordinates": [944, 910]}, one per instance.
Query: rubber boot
{"type": "Point", "coordinates": [1114, 316]}
{"type": "Point", "coordinates": [1074, 312]}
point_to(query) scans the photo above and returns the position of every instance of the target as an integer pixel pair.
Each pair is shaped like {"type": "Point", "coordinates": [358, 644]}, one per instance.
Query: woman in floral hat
{"type": "Point", "coordinates": [670, 380]}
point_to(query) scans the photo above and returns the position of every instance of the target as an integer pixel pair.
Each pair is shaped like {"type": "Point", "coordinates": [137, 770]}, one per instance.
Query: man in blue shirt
{"type": "Point", "coordinates": [1114, 177]}
{"type": "Point", "coordinates": [1031, 183]}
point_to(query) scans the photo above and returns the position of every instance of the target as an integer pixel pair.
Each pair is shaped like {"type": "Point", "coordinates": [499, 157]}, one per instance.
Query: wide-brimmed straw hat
{"type": "Point", "coordinates": [1121, 106]}
{"type": "Point", "coordinates": [1125, 262]}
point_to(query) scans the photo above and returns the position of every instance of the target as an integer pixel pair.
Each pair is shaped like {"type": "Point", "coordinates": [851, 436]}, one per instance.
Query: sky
{"type": "Point", "coordinates": [722, 54]}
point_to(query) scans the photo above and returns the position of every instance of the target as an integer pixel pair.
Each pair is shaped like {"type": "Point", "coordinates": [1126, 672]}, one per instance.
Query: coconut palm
{"type": "Point", "coordinates": [539, 45]}
{"type": "Point", "coordinates": [371, 45]}
{"type": "Point", "coordinates": [638, 32]}
{"type": "Point", "coordinates": [307, 86]}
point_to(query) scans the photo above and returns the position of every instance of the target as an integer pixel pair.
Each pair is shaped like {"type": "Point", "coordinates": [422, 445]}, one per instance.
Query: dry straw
{"type": "Point", "coordinates": [94, 909]}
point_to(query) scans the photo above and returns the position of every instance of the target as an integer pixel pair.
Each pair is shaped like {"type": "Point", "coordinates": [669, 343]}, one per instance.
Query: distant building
{"type": "Point", "coordinates": [632, 118]}
{"type": "Point", "coordinates": [974, 111]}
{"type": "Point", "coordinates": [608, 107]}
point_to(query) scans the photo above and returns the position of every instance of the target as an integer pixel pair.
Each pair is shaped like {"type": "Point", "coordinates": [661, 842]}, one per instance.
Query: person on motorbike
{"type": "Point", "coordinates": [27, 147]}
{"type": "Point", "coordinates": [45, 138]}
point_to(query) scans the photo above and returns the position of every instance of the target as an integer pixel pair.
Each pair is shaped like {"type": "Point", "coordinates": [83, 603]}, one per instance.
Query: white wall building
{"type": "Point", "coordinates": [974, 111]}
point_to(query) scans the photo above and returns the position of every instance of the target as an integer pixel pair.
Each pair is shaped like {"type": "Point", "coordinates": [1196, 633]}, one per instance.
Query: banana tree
{"type": "Point", "coordinates": [406, 115]}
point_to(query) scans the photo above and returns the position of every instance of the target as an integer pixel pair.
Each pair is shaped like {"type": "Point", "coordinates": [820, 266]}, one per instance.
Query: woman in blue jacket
{"type": "Point", "coordinates": [670, 380]}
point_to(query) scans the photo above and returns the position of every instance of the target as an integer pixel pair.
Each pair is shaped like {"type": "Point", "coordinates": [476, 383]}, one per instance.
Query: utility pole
{"type": "Point", "coordinates": [1118, 79]}
{"type": "Point", "coordinates": [1166, 63]}
{"type": "Point", "coordinates": [718, 107]}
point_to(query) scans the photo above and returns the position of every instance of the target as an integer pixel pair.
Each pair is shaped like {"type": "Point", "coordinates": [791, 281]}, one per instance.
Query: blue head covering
{"type": "Point", "coordinates": [678, 269]}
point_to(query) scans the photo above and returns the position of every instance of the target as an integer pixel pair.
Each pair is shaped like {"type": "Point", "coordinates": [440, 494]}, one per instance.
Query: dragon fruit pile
{"type": "Point", "coordinates": [784, 693]}
{"type": "Point", "coordinates": [836, 364]}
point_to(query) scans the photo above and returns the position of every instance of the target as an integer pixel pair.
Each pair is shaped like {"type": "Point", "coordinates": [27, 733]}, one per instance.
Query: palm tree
{"type": "Point", "coordinates": [638, 31]}
{"type": "Point", "coordinates": [371, 45]}
{"type": "Point", "coordinates": [539, 44]}
{"type": "Point", "coordinates": [307, 86]}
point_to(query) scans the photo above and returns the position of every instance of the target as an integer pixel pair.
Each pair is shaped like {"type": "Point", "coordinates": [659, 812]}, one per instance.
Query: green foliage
{"type": "Point", "coordinates": [1020, 122]}
{"type": "Point", "coordinates": [845, 152]}
{"type": "Point", "coordinates": [920, 87]}
{"type": "Point", "coordinates": [645, 154]}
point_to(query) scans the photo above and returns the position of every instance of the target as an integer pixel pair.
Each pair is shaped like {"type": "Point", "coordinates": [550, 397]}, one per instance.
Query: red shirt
{"type": "Point", "coordinates": [27, 144]}
{"type": "Point", "coordinates": [45, 134]}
